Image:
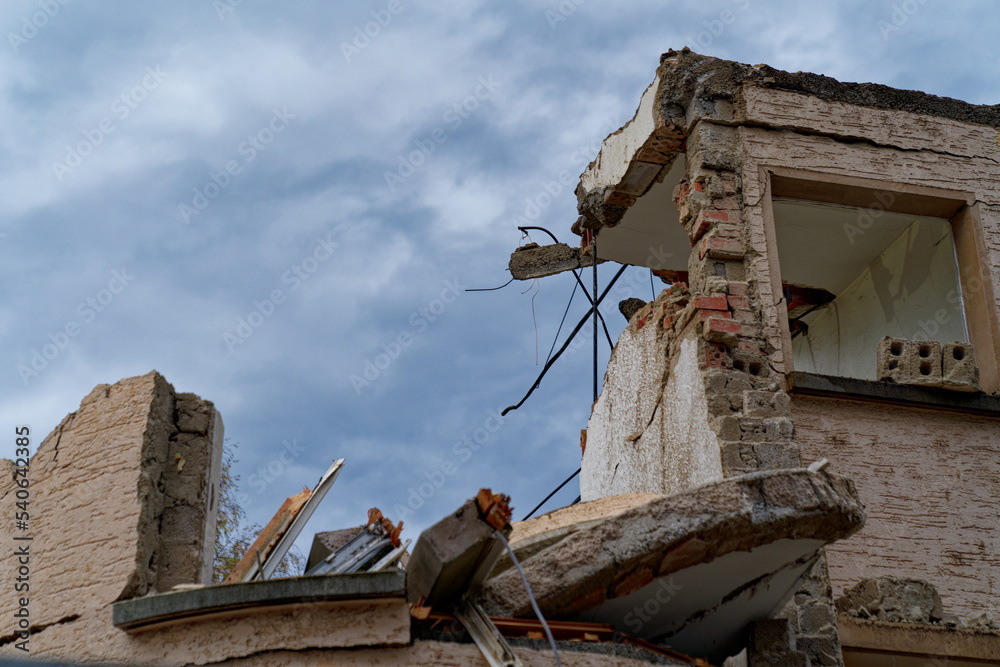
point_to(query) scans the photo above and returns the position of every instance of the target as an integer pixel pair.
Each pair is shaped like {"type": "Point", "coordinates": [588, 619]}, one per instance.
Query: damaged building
{"type": "Point", "coordinates": [794, 458]}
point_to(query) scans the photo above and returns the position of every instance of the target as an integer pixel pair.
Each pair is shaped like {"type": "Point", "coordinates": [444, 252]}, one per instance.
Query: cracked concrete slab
{"type": "Point", "coordinates": [534, 261]}
{"type": "Point", "coordinates": [692, 570]}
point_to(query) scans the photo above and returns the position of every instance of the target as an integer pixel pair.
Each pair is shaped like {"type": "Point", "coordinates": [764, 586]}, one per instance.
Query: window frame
{"type": "Point", "coordinates": [959, 208]}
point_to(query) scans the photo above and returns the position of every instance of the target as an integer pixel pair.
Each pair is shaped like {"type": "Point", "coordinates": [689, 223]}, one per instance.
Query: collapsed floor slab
{"type": "Point", "coordinates": [726, 553]}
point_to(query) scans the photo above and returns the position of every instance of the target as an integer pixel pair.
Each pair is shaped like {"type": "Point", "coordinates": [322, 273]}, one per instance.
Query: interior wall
{"type": "Point", "coordinates": [911, 290]}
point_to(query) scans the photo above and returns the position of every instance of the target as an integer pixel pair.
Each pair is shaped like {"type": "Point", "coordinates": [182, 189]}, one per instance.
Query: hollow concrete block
{"type": "Point", "coordinates": [913, 362]}
{"type": "Point", "coordinates": [959, 370]}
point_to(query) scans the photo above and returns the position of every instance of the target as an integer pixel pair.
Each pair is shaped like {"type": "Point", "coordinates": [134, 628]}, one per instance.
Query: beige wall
{"type": "Point", "coordinates": [649, 432]}
{"type": "Point", "coordinates": [122, 502]}
{"type": "Point", "coordinates": [930, 481]}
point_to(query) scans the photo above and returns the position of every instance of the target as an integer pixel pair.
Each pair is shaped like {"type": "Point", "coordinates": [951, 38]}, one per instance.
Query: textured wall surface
{"type": "Point", "coordinates": [649, 432]}
{"type": "Point", "coordinates": [930, 482]}
{"type": "Point", "coordinates": [122, 504]}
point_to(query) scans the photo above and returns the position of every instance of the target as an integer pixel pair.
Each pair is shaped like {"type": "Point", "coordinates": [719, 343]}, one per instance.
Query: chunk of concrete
{"type": "Point", "coordinates": [534, 261]}
{"type": "Point", "coordinates": [912, 362]}
{"type": "Point", "coordinates": [530, 537]}
{"type": "Point", "coordinates": [703, 565]}
{"type": "Point", "coordinates": [893, 599]}
{"type": "Point", "coordinates": [449, 555]}
{"type": "Point", "coordinates": [630, 307]}
{"type": "Point", "coordinates": [958, 366]}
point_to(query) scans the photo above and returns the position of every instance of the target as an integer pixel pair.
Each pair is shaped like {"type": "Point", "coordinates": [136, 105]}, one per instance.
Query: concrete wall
{"type": "Point", "coordinates": [649, 431]}
{"type": "Point", "coordinates": [123, 503]}
{"type": "Point", "coordinates": [929, 479]}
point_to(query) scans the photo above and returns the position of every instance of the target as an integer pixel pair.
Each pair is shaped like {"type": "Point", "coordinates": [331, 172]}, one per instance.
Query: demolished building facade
{"type": "Point", "coordinates": [794, 458]}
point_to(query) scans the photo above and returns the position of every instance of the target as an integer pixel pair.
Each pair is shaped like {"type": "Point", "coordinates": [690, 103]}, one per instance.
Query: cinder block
{"type": "Point", "coordinates": [772, 635]}
{"type": "Point", "coordinates": [959, 370]}
{"type": "Point", "coordinates": [766, 404]}
{"type": "Point", "coordinates": [913, 362]}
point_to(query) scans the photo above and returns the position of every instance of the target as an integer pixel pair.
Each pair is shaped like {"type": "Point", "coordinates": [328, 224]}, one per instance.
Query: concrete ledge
{"type": "Point", "coordinates": [812, 384]}
{"type": "Point", "coordinates": [130, 615]}
{"type": "Point", "coordinates": [921, 640]}
{"type": "Point", "coordinates": [693, 570]}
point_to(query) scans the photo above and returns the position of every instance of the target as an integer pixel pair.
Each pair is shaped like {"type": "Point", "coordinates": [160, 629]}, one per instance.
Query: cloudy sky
{"type": "Point", "coordinates": [279, 207]}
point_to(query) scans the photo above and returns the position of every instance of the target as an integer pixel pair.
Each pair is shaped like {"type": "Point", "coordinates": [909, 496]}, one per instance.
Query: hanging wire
{"type": "Point", "coordinates": [607, 334]}
{"type": "Point", "coordinates": [561, 322]}
{"type": "Point", "coordinates": [593, 242]}
{"type": "Point", "coordinates": [531, 596]}
{"type": "Point", "coordinates": [552, 494]}
{"type": "Point", "coordinates": [490, 289]}
{"type": "Point", "coordinates": [538, 288]}
{"type": "Point", "coordinates": [565, 345]}
{"type": "Point", "coordinates": [651, 288]}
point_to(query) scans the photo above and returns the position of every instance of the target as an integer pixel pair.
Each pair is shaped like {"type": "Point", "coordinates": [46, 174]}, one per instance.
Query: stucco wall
{"type": "Point", "coordinates": [647, 434]}
{"type": "Point", "coordinates": [121, 505]}
{"type": "Point", "coordinates": [930, 481]}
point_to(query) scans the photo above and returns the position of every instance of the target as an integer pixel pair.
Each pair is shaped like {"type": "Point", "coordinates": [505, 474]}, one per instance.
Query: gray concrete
{"type": "Point", "coordinates": [133, 614]}
{"type": "Point", "coordinates": [894, 599]}
{"type": "Point", "coordinates": [722, 555]}
{"type": "Point", "coordinates": [447, 556]}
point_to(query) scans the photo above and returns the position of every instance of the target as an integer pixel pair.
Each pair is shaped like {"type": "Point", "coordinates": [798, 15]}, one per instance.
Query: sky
{"type": "Point", "coordinates": [280, 207]}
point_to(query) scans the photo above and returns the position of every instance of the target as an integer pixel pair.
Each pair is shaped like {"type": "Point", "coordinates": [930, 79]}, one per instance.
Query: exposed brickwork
{"type": "Point", "coordinates": [748, 411]}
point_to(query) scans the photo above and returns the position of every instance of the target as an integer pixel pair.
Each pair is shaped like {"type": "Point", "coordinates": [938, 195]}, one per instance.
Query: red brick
{"type": "Point", "coordinates": [699, 186]}
{"type": "Point", "coordinates": [711, 302]}
{"type": "Point", "coordinates": [739, 302]}
{"type": "Point", "coordinates": [739, 289]}
{"type": "Point", "coordinates": [716, 355]}
{"type": "Point", "coordinates": [698, 228]}
{"type": "Point", "coordinates": [718, 216]}
{"type": "Point", "coordinates": [724, 325]}
{"type": "Point", "coordinates": [729, 186]}
{"type": "Point", "coordinates": [720, 330]}
{"type": "Point", "coordinates": [641, 323]}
